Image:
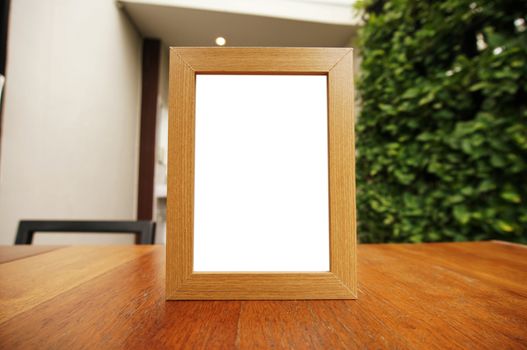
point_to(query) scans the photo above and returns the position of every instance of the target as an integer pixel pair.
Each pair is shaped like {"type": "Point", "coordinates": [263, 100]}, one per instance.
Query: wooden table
{"type": "Point", "coordinates": [444, 296]}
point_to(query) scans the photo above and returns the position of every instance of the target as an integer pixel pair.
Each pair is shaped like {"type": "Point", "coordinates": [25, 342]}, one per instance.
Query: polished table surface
{"type": "Point", "coordinates": [426, 296]}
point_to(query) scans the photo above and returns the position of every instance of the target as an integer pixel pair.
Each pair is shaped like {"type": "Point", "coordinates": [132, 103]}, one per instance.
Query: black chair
{"type": "Point", "coordinates": [145, 231]}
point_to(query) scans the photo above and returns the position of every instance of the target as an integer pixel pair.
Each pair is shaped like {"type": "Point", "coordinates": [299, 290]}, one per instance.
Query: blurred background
{"type": "Point", "coordinates": [441, 133]}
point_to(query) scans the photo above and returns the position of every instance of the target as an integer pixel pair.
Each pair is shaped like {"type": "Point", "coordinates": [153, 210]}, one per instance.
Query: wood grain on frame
{"type": "Point", "coordinates": [184, 284]}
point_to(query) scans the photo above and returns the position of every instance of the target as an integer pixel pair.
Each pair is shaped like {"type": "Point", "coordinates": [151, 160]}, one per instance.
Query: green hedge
{"type": "Point", "coordinates": [442, 131]}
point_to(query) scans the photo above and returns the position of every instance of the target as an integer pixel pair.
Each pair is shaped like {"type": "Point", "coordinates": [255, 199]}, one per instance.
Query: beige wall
{"type": "Point", "coordinates": [69, 145]}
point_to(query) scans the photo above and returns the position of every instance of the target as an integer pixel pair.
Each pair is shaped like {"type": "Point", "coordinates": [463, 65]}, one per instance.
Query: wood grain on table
{"type": "Point", "coordinates": [444, 295]}
{"type": "Point", "coordinates": [10, 253]}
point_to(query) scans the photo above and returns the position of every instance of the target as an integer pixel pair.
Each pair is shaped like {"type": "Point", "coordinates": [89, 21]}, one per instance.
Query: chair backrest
{"type": "Point", "coordinates": [144, 231]}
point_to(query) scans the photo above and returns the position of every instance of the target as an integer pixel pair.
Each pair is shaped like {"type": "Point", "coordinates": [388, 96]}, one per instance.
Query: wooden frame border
{"type": "Point", "coordinates": [341, 281]}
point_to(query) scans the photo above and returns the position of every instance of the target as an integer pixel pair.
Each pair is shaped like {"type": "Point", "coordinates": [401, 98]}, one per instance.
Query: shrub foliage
{"type": "Point", "coordinates": [442, 132]}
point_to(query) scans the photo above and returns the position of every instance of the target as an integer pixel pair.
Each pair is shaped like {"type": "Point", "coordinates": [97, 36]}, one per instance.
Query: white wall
{"type": "Point", "coordinates": [69, 145]}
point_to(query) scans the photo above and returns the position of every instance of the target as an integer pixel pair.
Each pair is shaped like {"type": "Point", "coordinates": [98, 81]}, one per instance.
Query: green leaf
{"type": "Point", "coordinates": [434, 236]}
{"type": "Point", "coordinates": [454, 199]}
{"type": "Point", "coordinates": [511, 197]}
{"type": "Point", "coordinates": [467, 190]}
{"type": "Point", "coordinates": [425, 136]}
{"type": "Point", "coordinates": [480, 86]}
{"type": "Point", "coordinates": [427, 99]}
{"type": "Point", "coordinates": [410, 93]}
{"type": "Point", "coordinates": [466, 146]}
{"type": "Point", "coordinates": [486, 185]}
{"type": "Point", "coordinates": [504, 226]}
{"type": "Point", "coordinates": [461, 214]}
{"type": "Point", "coordinates": [388, 220]}
{"type": "Point", "coordinates": [404, 178]}
{"type": "Point", "coordinates": [387, 108]}
{"type": "Point", "coordinates": [497, 161]}
{"type": "Point", "coordinates": [416, 238]}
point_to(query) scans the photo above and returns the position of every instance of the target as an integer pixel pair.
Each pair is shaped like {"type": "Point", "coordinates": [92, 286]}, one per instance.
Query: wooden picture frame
{"type": "Point", "coordinates": [182, 283]}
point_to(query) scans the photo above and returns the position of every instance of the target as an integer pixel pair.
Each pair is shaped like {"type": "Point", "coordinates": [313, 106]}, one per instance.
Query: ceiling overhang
{"type": "Point", "coordinates": [279, 23]}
